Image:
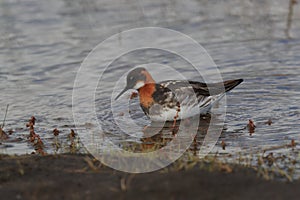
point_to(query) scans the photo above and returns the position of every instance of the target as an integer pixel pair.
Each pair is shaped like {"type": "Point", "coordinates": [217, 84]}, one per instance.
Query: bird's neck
{"type": "Point", "coordinates": [149, 78]}
{"type": "Point", "coordinates": [145, 93]}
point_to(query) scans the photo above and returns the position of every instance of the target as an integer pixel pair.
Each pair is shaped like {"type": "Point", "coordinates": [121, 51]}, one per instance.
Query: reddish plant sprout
{"type": "Point", "coordinates": [35, 138]}
{"type": "Point", "coordinates": [31, 122]}
{"type": "Point", "coordinates": [251, 126]}
{"type": "Point", "coordinates": [72, 134]}
{"type": "Point", "coordinates": [223, 144]}
{"type": "Point", "coordinates": [72, 138]}
{"type": "Point", "coordinates": [293, 143]}
{"type": "Point", "coordinates": [55, 132]}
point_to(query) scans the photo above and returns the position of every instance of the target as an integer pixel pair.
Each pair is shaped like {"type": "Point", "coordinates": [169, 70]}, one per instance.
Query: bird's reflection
{"type": "Point", "coordinates": [158, 135]}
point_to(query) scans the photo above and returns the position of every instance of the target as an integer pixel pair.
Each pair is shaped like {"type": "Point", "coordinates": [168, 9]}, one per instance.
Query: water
{"type": "Point", "coordinates": [43, 43]}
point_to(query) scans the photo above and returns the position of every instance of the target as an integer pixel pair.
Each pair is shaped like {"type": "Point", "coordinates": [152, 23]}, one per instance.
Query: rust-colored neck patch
{"type": "Point", "coordinates": [145, 92]}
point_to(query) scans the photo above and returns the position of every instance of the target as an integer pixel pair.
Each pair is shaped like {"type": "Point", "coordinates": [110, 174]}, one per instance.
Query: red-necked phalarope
{"type": "Point", "coordinates": [175, 99]}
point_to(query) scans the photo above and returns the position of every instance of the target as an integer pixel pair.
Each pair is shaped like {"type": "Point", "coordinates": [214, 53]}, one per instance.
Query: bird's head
{"type": "Point", "coordinates": [136, 79]}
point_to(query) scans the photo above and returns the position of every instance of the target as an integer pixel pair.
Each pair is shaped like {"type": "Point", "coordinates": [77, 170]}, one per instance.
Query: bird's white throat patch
{"type": "Point", "coordinates": [138, 85]}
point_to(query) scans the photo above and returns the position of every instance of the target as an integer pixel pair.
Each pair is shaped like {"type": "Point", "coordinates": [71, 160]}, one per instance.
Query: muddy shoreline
{"type": "Point", "coordinates": [68, 176]}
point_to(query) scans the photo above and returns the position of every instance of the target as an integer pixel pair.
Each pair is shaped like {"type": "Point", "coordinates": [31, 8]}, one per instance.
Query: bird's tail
{"type": "Point", "coordinates": [230, 84]}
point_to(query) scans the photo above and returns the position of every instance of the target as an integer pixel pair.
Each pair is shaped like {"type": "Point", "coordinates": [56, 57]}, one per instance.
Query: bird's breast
{"type": "Point", "coordinates": [145, 93]}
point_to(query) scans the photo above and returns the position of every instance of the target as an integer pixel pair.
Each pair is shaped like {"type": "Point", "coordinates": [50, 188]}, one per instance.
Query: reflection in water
{"type": "Point", "coordinates": [165, 133]}
{"type": "Point", "coordinates": [290, 18]}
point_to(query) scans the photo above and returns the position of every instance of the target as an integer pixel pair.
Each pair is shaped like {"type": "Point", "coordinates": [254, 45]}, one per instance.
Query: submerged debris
{"type": "Point", "coordinates": [3, 124]}
{"type": "Point", "coordinates": [269, 122]}
{"type": "Point", "coordinates": [10, 131]}
{"type": "Point", "coordinates": [270, 159]}
{"type": "Point", "coordinates": [3, 135]}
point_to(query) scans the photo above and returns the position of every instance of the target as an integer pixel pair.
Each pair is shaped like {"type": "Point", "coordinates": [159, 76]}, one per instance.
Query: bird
{"type": "Point", "coordinates": [173, 100]}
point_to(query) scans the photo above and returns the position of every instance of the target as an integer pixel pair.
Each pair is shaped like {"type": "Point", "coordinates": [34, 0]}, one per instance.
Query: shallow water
{"type": "Point", "coordinates": [43, 44]}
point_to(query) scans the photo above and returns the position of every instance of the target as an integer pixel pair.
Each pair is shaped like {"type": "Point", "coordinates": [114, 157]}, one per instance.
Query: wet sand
{"type": "Point", "coordinates": [81, 177]}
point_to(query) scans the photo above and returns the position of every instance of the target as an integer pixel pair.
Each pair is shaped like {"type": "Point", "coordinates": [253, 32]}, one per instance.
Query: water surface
{"type": "Point", "coordinates": [43, 44]}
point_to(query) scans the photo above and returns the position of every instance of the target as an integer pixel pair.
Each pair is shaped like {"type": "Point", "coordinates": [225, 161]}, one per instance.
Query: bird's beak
{"type": "Point", "coordinates": [125, 89]}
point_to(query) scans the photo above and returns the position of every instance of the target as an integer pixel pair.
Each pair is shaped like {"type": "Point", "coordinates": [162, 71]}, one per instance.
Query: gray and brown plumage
{"type": "Point", "coordinates": [175, 99]}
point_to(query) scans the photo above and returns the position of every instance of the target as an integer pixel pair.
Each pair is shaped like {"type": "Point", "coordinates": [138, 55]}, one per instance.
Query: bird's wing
{"type": "Point", "coordinates": [188, 93]}
{"type": "Point", "coordinates": [210, 89]}
{"type": "Point", "coordinates": [192, 93]}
